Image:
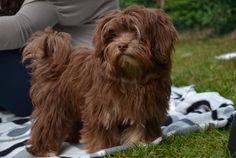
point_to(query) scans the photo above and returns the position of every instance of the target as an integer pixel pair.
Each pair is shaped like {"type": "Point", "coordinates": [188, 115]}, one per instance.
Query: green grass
{"type": "Point", "coordinates": [194, 63]}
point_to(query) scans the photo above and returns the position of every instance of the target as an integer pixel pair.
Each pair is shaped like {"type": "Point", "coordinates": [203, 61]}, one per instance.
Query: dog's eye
{"type": "Point", "coordinates": [110, 35]}
{"type": "Point", "coordinates": [113, 34]}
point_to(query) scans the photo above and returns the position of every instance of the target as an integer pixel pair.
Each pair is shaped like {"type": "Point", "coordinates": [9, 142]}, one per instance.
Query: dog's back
{"type": "Point", "coordinates": [55, 63]}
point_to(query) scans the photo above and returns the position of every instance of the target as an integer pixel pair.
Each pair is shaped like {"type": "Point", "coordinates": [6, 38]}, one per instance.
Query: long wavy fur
{"type": "Point", "coordinates": [106, 96]}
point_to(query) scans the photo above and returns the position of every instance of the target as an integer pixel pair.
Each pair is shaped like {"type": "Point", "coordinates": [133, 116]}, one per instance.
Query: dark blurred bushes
{"type": "Point", "coordinates": [147, 3]}
{"type": "Point", "coordinates": [218, 15]}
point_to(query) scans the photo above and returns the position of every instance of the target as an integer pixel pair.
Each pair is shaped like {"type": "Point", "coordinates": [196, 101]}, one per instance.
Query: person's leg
{"type": "Point", "coordinates": [14, 84]}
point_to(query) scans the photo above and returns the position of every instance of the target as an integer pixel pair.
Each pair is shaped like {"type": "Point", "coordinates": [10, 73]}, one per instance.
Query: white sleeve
{"type": "Point", "coordinates": [34, 16]}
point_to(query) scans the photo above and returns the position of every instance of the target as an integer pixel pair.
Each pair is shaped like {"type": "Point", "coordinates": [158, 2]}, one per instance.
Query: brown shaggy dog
{"type": "Point", "coordinates": [115, 94]}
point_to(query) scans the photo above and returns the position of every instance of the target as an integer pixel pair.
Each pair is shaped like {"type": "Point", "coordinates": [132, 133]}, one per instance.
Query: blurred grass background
{"type": "Point", "coordinates": [206, 29]}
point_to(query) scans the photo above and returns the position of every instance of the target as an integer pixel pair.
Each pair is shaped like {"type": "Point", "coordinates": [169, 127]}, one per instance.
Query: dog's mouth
{"type": "Point", "coordinates": [130, 67]}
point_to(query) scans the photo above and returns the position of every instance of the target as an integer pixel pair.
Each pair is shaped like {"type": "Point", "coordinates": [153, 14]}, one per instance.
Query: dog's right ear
{"type": "Point", "coordinates": [163, 36]}
{"type": "Point", "coordinates": [98, 41]}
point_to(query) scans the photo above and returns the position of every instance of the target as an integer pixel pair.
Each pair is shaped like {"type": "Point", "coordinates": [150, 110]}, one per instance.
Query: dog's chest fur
{"type": "Point", "coordinates": [121, 104]}
{"type": "Point", "coordinates": [114, 102]}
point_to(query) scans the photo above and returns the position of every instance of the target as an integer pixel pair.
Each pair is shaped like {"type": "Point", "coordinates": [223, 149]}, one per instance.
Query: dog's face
{"type": "Point", "coordinates": [131, 43]}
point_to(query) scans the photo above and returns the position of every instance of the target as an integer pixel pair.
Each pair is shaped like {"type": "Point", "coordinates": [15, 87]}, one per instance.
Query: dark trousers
{"type": "Point", "coordinates": [14, 84]}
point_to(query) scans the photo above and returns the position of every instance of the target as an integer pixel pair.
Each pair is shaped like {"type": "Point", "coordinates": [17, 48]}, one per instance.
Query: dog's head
{"type": "Point", "coordinates": [132, 42]}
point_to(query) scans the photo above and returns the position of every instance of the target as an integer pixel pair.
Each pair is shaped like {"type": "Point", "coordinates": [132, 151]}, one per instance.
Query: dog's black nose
{"type": "Point", "coordinates": [123, 46]}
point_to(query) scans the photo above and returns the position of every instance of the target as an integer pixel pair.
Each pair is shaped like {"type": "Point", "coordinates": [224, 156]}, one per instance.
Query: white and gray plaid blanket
{"type": "Point", "coordinates": [189, 112]}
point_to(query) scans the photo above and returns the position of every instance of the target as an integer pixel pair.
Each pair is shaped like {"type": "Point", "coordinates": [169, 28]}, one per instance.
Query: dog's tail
{"type": "Point", "coordinates": [47, 53]}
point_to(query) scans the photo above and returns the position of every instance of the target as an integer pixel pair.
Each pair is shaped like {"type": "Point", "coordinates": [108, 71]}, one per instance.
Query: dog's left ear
{"type": "Point", "coordinates": [163, 35]}
{"type": "Point", "coordinates": [98, 36]}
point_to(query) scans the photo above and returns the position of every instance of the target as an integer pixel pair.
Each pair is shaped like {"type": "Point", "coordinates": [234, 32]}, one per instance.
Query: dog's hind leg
{"type": "Point", "coordinates": [49, 130]}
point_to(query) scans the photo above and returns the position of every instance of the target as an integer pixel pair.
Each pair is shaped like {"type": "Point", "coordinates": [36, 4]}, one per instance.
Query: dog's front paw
{"type": "Point", "coordinates": [40, 153]}
{"type": "Point", "coordinates": [91, 147]}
